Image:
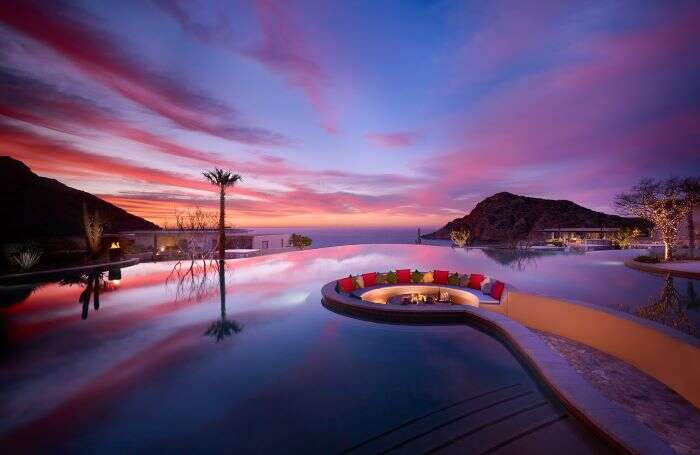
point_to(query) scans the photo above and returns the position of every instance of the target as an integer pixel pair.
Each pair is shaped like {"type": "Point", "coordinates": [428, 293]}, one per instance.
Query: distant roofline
{"type": "Point", "coordinates": [228, 231]}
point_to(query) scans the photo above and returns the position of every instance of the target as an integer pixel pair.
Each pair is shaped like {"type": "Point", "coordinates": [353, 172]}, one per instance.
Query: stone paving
{"type": "Point", "coordinates": [670, 416]}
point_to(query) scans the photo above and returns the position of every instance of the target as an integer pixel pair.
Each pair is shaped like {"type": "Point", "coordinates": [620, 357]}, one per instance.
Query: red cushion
{"type": "Point", "coordinates": [440, 276]}
{"type": "Point", "coordinates": [403, 276]}
{"type": "Point", "coordinates": [370, 279]}
{"type": "Point", "coordinates": [475, 281]}
{"type": "Point", "coordinates": [497, 290]}
{"type": "Point", "coordinates": [346, 284]}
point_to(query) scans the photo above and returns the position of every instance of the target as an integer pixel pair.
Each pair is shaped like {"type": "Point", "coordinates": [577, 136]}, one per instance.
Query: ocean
{"type": "Point", "coordinates": [325, 236]}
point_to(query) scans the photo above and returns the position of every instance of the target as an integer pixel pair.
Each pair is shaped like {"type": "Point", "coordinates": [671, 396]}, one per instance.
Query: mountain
{"type": "Point", "coordinates": [32, 206]}
{"type": "Point", "coordinates": [506, 216]}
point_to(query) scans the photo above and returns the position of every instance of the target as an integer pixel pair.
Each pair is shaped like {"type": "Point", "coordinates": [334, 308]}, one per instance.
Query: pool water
{"type": "Point", "coordinates": [166, 363]}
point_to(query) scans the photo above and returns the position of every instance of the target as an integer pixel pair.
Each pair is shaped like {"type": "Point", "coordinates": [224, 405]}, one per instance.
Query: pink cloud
{"type": "Point", "coordinates": [284, 50]}
{"type": "Point", "coordinates": [397, 139]}
{"type": "Point", "coordinates": [96, 54]}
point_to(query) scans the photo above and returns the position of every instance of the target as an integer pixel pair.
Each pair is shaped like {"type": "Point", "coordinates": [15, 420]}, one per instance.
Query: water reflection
{"type": "Point", "coordinates": [223, 327]}
{"type": "Point", "coordinates": [523, 259]}
{"type": "Point", "coordinates": [196, 279]}
{"type": "Point", "coordinates": [668, 307]}
{"type": "Point", "coordinates": [93, 283]}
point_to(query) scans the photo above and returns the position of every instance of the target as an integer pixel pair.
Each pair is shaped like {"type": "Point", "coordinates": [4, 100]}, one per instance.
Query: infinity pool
{"type": "Point", "coordinates": [166, 363]}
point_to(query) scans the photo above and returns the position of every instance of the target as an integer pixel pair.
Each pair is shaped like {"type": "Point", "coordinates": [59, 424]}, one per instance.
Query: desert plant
{"type": "Point", "coordinates": [460, 237]}
{"type": "Point", "coordinates": [24, 256]}
{"type": "Point", "coordinates": [662, 203]}
{"type": "Point", "coordinates": [625, 237]}
{"type": "Point", "coordinates": [223, 180]}
{"type": "Point", "coordinates": [93, 228]}
{"type": "Point", "coordinates": [299, 241]}
{"type": "Point", "coordinates": [223, 327]}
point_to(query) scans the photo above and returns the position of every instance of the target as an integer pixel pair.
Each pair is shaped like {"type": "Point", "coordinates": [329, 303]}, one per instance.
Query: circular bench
{"type": "Point", "coordinates": [382, 294]}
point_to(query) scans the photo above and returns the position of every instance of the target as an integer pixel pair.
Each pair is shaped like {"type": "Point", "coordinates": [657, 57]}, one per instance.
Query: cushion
{"type": "Point", "coordinates": [369, 279]}
{"type": "Point", "coordinates": [358, 282]}
{"type": "Point", "coordinates": [486, 285]}
{"type": "Point", "coordinates": [391, 278]}
{"type": "Point", "coordinates": [403, 276]}
{"type": "Point", "coordinates": [453, 280]}
{"type": "Point", "coordinates": [475, 281]}
{"type": "Point", "coordinates": [440, 276]}
{"type": "Point", "coordinates": [464, 280]}
{"type": "Point", "coordinates": [346, 284]}
{"type": "Point", "coordinates": [381, 278]}
{"type": "Point", "coordinates": [417, 277]}
{"type": "Point", "coordinates": [428, 277]}
{"type": "Point", "coordinates": [497, 290]}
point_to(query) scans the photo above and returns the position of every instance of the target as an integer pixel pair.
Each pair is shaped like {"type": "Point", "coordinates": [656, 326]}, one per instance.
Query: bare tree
{"type": "Point", "coordinates": [662, 203]}
{"type": "Point", "coordinates": [460, 237]}
{"type": "Point", "coordinates": [194, 226]}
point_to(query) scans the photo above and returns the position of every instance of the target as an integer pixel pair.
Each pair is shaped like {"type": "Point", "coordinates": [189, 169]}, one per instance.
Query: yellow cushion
{"type": "Point", "coordinates": [428, 277]}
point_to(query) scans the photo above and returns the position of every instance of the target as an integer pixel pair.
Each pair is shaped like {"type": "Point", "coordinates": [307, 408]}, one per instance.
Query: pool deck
{"type": "Point", "coordinates": [53, 273]}
{"type": "Point", "coordinates": [681, 269]}
{"type": "Point", "coordinates": [604, 417]}
{"type": "Point", "coordinates": [652, 403]}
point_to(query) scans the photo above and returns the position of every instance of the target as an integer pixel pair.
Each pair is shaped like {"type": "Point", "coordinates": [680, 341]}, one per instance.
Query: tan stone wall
{"type": "Point", "coordinates": [662, 354]}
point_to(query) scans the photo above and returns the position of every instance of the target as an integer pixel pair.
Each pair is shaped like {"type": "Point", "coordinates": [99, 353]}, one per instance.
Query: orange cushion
{"type": "Point", "coordinates": [370, 279]}
{"type": "Point", "coordinates": [440, 276]}
{"type": "Point", "coordinates": [475, 281]}
{"type": "Point", "coordinates": [403, 276]}
{"type": "Point", "coordinates": [346, 284]}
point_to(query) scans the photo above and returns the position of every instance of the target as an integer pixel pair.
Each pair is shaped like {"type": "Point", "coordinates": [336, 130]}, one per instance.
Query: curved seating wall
{"type": "Point", "coordinates": [458, 295]}
{"type": "Point", "coordinates": [665, 354]}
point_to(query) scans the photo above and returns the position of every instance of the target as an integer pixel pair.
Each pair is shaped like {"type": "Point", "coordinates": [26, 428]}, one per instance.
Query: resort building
{"type": "Point", "coordinates": [598, 236]}
{"type": "Point", "coordinates": [239, 242]}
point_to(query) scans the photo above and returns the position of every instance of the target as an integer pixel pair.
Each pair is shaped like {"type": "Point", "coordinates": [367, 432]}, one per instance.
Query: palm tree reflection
{"type": "Point", "coordinates": [94, 283]}
{"type": "Point", "coordinates": [223, 328]}
{"type": "Point", "coordinates": [669, 309]}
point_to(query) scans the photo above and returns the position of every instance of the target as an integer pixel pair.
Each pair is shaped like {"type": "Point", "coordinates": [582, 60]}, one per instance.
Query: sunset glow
{"type": "Point", "coordinates": [349, 114]}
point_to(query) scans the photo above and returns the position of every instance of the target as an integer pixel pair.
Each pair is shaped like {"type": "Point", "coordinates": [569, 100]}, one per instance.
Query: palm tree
{"type": "Point", "coordinates": [222, 179]}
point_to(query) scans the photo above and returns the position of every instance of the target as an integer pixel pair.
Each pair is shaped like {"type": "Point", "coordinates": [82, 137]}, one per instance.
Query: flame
{"type": "Point", "coordinates": [114, 246]}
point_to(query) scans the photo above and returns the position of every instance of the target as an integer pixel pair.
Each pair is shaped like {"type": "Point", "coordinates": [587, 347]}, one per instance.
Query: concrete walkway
{"type": "Point", "coordinates": [663, 411]}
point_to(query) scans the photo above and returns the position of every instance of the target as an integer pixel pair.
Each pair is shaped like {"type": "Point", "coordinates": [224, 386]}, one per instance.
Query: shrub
{"type": "Point", "coordinates": [648, 259]}
{"type": "Point", "coordinates": [453, 280]}
{"type": "Point", "coordinates": [391, 277]}
{"type": "Point", "coordinates": [299, 241]}
{"type": "Point", "coordinates": [24, 256]}
{"type": "Point", "coordinates": [416, 276]}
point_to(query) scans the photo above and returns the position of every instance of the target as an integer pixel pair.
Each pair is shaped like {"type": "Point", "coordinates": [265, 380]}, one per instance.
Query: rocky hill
{"type": "Point", "coordinates": [35, 207]}
{"type": "Point", "coordinates": [506, 216]}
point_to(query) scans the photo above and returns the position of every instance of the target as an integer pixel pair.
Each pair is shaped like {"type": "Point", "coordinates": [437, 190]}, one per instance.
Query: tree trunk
{"type": "Point", "coordinates": [667, 251]}
{"type": "Point", "coordinates": [222, 224]}
{"type": "Point", "coordinates": [222, 288]}
{"type": "Point", "coordinates": [691, 233]}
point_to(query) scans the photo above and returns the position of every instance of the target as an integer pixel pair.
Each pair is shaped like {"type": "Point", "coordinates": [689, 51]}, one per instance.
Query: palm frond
{"type": "Point", "coordinates": [222, 178]}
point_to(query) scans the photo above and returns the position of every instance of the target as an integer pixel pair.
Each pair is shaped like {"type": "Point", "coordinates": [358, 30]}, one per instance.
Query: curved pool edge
{"type": "Point", "coordinates": [602, 416]}
{"type": "Point", "coordinates": [660, 269]}
{"type": "Point", "coordinates": [41, 275]}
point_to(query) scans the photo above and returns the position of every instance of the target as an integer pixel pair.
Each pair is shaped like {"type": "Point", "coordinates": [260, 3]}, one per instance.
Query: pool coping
{"type": "Point", "coordinates": [47, 274]}
{"type": "Point", "coordinates": [606, 418]}
{"type": "Point", "coordinates": [659, 269]}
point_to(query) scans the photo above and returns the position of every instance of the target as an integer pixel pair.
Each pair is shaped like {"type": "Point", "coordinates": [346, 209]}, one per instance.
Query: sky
{"type": "Point", "coordinates": [352, 113]}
